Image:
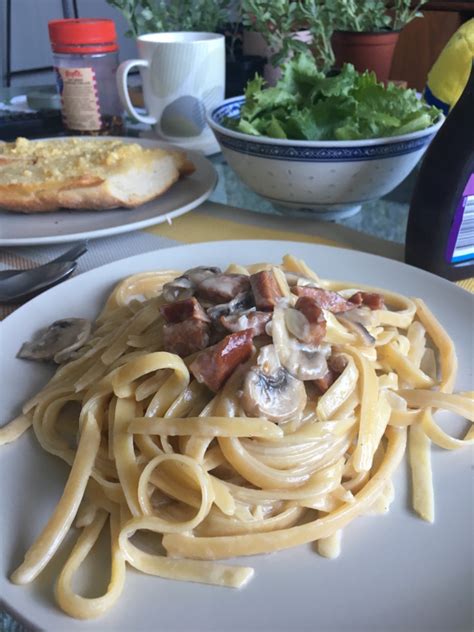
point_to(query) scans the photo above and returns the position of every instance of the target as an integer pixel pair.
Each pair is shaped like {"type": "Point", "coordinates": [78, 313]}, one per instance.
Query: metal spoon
{"type": "Point", "coordinates": [70, 255]}
{"type": "Point", "coordinates": [26, 284]}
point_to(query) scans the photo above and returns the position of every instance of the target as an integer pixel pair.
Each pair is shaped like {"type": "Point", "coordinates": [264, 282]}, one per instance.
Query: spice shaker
{"type": "Point", "coordinates": [86, 60]}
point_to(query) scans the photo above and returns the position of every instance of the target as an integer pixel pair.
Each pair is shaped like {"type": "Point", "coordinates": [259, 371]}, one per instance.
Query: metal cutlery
{"type": "Point", "coordinates": [20, 285]}
{"type": "Point", "coordinates": [70, 255]}
{"type": "Point", "coordinates": [25, 285]}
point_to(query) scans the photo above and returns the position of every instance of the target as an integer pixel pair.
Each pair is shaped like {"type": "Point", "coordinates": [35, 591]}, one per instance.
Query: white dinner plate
{"type": "Point", "coordinates": [20, 229]}
{"type": "Point", "coordinates": [395, 571]}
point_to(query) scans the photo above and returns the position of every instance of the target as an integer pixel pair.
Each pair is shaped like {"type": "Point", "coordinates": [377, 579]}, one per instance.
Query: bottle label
{"type": "Point", "coordinates": [460, 246]}
{"type": "Point", "coordinates": [79, 98]}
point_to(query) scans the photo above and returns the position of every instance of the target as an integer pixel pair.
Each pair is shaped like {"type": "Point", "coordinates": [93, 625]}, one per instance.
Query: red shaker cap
{"type": "Point", "coordinates": [83, 36]}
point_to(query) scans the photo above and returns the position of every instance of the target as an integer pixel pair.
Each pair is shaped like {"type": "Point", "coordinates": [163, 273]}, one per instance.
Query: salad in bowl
{"type": "Point", "coordinates": [325, 143]}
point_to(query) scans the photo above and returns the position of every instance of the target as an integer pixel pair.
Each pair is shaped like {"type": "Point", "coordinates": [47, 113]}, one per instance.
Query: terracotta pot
{"type": "Point", "coordinates": [254, 44]}
{"type": "Point", "coordinates": [367, 51]}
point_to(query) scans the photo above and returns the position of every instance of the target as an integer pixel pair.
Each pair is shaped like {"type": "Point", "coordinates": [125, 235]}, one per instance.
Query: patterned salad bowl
{"type": "Point", "coordinates": [330, 179]}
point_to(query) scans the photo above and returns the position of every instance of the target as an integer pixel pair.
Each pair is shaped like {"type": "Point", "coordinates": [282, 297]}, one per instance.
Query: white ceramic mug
{"type": "Point", "coordinates": [183, 75]}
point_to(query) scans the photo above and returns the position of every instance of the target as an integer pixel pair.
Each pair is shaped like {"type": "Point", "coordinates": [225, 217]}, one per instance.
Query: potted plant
{"type": "Point", "coordinates": [274, 29]}
{"type": "Point", "coordinates": [211, 16]}
{"type": "Point", "coordinates": [366, 32]}
{"type": "Point", "coordinates": [160, 16]}
{"type": "Point", "coordinates": [280, 29]}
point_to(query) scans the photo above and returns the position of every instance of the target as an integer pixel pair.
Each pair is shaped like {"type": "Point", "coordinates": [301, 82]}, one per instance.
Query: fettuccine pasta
{"type": "Point", "coordinates": [227, 414]}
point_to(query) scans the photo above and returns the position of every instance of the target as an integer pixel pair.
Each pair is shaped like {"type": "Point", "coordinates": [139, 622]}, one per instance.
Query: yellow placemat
{"type": "Point", "coordinates": [198, 227]}
{"type": "Point", "coordinates": [194, 228]}
{"type": "Point", "coordinates": [467, 284]}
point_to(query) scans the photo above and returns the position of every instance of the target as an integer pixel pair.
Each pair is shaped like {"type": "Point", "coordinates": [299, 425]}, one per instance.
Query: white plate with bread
{"type": "Point", "coordinates": [64, 189]}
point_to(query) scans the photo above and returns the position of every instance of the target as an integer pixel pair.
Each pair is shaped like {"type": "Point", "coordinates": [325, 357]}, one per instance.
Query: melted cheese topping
{"type": "Point", "coordinates": [32, 162]}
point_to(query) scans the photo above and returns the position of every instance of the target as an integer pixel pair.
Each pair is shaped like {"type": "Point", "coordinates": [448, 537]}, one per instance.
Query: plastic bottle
{"type": "Point", "coordinates": [440, 231]}
{"type": "Point", "coordinates": [86, 60]}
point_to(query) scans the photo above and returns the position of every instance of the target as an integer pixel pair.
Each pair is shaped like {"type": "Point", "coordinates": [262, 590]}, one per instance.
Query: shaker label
{"type": "Point", "coordinates": [460, 246]}
{"type": "Point", "coordinates": [79, 98]}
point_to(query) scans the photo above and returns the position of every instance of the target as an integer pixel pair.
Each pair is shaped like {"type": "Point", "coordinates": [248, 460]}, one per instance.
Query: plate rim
{"type": "Point", "coordinates": [202, 161]}
{"type": "Point", "coordinates": [451, 285]}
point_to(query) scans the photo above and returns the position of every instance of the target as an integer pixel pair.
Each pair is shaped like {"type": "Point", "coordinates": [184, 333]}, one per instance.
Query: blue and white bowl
{"type": "Point", "coordinates": [331, 178]}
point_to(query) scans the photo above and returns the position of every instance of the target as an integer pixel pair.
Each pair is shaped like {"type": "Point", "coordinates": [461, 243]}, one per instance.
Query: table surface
{"type": "Point", "coordinates": [379, 228]}
{"type": "Point", "coordinates": [385, 218]}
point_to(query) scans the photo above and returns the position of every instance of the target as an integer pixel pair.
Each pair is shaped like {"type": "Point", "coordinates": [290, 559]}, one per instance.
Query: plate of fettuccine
{"type": "Point", "coordinates": [170, 420]}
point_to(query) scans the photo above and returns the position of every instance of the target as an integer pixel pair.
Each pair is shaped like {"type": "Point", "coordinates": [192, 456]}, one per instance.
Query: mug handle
{"type": "Point", "coordinates": [122, 76]}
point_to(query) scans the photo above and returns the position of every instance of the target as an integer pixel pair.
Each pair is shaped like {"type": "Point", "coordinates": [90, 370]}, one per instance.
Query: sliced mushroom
{"type": "Point", "coordinates": [305, 361]}
{"type": "Point", "coordinates": [293, 279]}
{"type": "Point", "coordinates": [271, 392]}
{"type": "Point", "coordinates": [179, 289]}
{"type": "Point", "coordinates": [363, 315]}
{"type": "Point", "coordinates": [268, 360]}
{"type": "Point", "coordinates": [239, 303]}
{"type": "Point", "coordinates": [183, 287]}
{"type": "Point", "coordinates": [269, 329]}
{"type": "Point", "coordinates": [359, 330]}
{"type": "Point", "coordinates": [297, 324]}
{"type": "Point", "coordinates": [58, 341]}
{"type": "Point", "coordinates": [316, 330]}
{"type": "Point", "coordinates": [198, 274]}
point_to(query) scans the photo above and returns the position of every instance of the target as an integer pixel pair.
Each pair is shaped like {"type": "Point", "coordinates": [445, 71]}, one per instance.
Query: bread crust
{"type": "Point", "coordinates": [75, 196]}
{"type": "Point", "coordinates": [94, 193]}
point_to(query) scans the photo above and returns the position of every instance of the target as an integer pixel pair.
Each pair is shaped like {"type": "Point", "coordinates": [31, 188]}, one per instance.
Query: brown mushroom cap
{"type": "Point", "coordinates": [58, 341]}
{"type": "Point", "coordinates": [198, 274]}
{"type": "Point", "coordinates": [179, 289]}
{"type": "Point", "coordinates": [183, 287]}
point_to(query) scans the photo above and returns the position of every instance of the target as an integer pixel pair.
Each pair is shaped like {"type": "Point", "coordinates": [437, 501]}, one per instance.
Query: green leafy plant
{"type": "Point", "coordinates": [371, 15]}
{"type": "Point", "coordinates": [319, 21]}
{"type": "Point", "coordinates": [157, 16]}
{"type": "Point", "coordinates": [404, 12]}
{"type": "Point", "coordinates": [305, 104]}
{"type": "Point", "coordinates": [277, 21]}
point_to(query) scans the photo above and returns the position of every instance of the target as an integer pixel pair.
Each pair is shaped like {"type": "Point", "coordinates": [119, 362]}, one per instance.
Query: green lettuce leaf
{"type": "Point", "coordinates": [306, 105]}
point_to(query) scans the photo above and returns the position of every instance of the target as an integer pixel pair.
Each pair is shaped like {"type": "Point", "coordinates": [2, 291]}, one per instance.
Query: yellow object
{"type": "Point", "coordinates": [449, 75]}
{"type": "Point", "coordinates": [194, 228]}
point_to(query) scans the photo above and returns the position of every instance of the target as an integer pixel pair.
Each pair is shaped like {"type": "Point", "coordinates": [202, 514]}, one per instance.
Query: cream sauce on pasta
{"type": "Point", "coordinates": [158, 452]}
